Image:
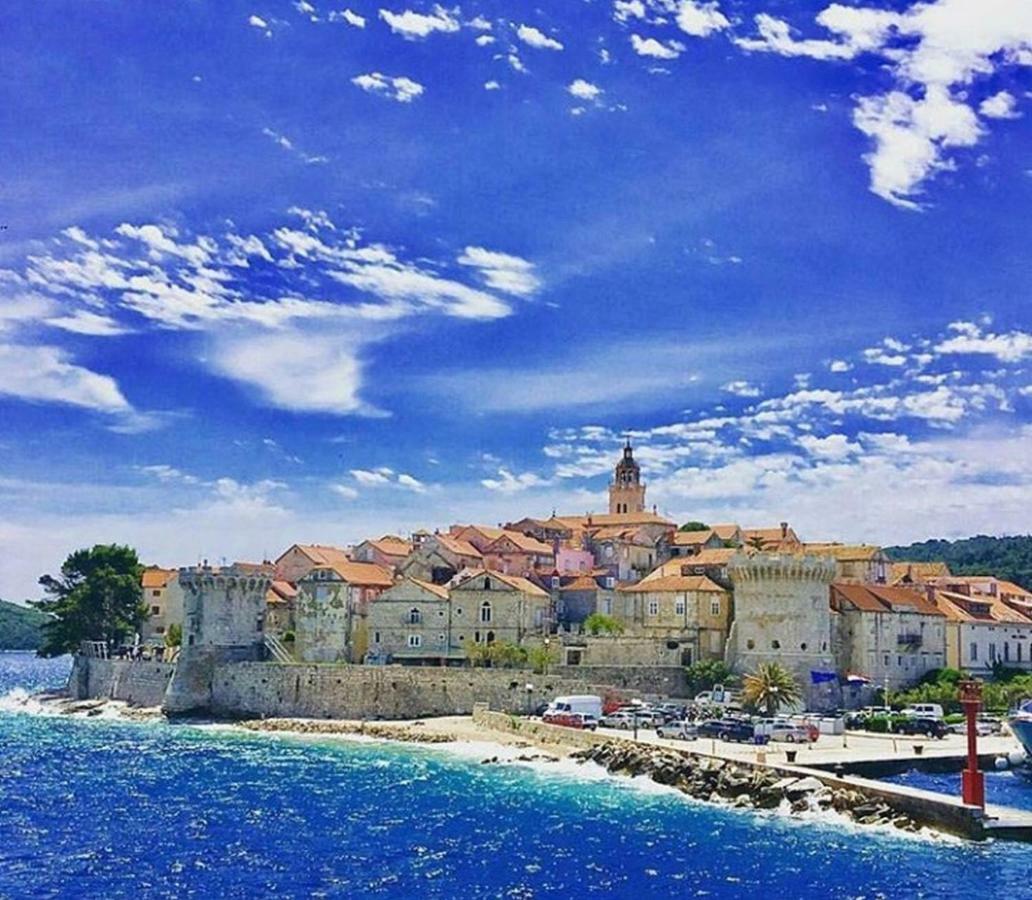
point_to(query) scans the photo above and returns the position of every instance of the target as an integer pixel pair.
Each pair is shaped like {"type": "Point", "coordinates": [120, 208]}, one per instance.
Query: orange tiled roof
{"type": "Point", "coordinates": [514, 581]}
{"type": "Point", "coordinates": [916, 571]}
{"type": "Point", "coordinates": [879, 598]}
{"type": "Point", "coordinates": [978, 608]}
{"type": "Point", "coordinates": [284, 589]}
{"type": "Point", "coordinates": [692, 538]}
{"type": "Point", "coordinates": [439, 589]}
{"type": "Point", "coordinates": [675, 583]}
{"type": "Point", "coordinates": [156, 578]}
{"type": "Point", "coordinates": [524, 542]}
{"type": "Point", "coordinates": [392, 545]}
{"type": "Point", "coordinates": [581, 583]}
{"type": "Point", "coordinates": [320, 554]}
{"type": "Point", "coordinates": [710, 556]}
{"type": "Point", "coordinates": [362, 574]}
{"type": "Point", "coordinates": [844, 552]}
{"type": "Point", "coordinates": [459, 547]}
{"type": "Point", "coordinates": [726, 532]}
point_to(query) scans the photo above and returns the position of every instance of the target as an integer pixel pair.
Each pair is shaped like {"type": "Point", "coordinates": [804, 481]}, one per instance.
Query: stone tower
{"type": "Point", "coordinates": [626, 490]}
{"type": "Point", "coordinates": [783, 614]}
{"type": "Point", "coordinates": [223, 621]}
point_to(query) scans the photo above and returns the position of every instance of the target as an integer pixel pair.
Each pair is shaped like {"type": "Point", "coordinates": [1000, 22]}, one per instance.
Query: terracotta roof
{"type": "Point", "coordinates": [320, 554]}
{"type": "Point", "coordinates": [710, 556]}
{"type": "Point", "coordinates": [514, 581]}
{"type": "Point", "coordinates": [284, 589]}
{"type": "Point", "coordinates": [391, 545]}
{"type": "Point", "coordinates": [579, 523]}
{"type": "Point", "coordinates": [524, 542]}
{"type": "Point", "coordinates": [916, 571]}
{"type": "Point", "coordinates": [439, 589]}
{"type": "Point", "coordinates": [580, 583]}
{"type": "Point", "coordinates": [675, 583]}
{"type": "Point", "coordinates": [156, 578]}
{"type": "Point", "coordinates": [726, 532]}
{"type": "Point", "coordinates": [844, 552]}
{"type": "Point", "coordinates": [462, 548]}
{"type": "Point", "coordinates": [362, 574]}
{"type": "Point", "coordinates": [879, 598]}
{"type": "Point", "coordinates": [1010, 588]}
{"type": "Point", "coordinates": [771, 537]}
{"type": "Point", "coordinates": [692, 538]}
{"type": "Point", "coordinates": [262, 568]}
{"type": "Point", "coordinates": [978, 608]}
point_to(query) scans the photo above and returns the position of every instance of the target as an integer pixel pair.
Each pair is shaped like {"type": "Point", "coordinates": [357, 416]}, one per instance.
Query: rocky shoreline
{"type": "Point", "coordinates": [743, 787]}
{"type": "Point", "coordinates": [408, 733]}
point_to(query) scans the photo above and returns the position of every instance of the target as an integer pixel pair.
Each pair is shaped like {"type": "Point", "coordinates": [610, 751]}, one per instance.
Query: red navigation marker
{"type": "Point", "coordinates": [973, 781]}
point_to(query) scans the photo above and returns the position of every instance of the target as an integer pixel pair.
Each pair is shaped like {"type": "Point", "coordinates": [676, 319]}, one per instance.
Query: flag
{"type": "Point", "coordinates": [822, 677]}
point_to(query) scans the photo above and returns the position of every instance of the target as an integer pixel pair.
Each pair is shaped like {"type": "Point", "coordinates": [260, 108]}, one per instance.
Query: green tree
{"type": "Point", "coordinates": [541, 656]}
{"type": "Point", "coordinates": [770, 687]}
{"type": "Point", "coordinates": [96, 598]}
{"type": "Point", "coordinates": [600, 623]}
{"type": "Point", "coordinates": [174, 635]}
{"type": "Point", "coordinates": [694, 526]}
{"type": "Point", "coordinates": [705, 673]}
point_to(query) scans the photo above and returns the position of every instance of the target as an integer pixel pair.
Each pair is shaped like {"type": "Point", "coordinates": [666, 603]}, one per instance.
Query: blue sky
{"type": "Point", "coordinates": [276, 272]}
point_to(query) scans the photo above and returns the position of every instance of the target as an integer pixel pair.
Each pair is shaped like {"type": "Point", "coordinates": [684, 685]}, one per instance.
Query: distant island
{"type": "Point", "coordinates": [1009, 558]}
{"type": "Point", "coordinates": [20, 627]}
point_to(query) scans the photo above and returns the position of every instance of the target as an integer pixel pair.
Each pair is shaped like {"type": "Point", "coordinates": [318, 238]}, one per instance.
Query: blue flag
{"type": "Point", "coordinates": [822, 677]}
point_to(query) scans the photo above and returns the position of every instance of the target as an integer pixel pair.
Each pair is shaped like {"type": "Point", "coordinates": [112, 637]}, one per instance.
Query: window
{"type": "Point", "coordinates": [155, 610]}
{"type": "Point", "coordinates": [160, 629]}
{"type": "Point", "coordinates": [485, 612]}
{"type": "Point", "coordinates": [992, 652]}
{"type": "Point", "coordinates": [458, 611]}
{"type": "Point", "coordinates": [440, 613]}
{"type": "Point", "coordinates": [440, 639]}
{"type": "Point", "coordinates": [476, 637]}
{"type": "Point", "coordinates": [750, 644]}
{"type": "Point", "coordinates": [1006, 652]}
{"type": "Point", "coordinates": [679, 606]}
{"type": "Point", "coordinates": [487, 584]}
{"type": "Point", "coordinates": [653, 607]}
{"type": "Point", "coordinates": [415, 616]}
{"type": "Point", "coordinates": [607, 606]}
{"type": "Point", "coordinates": [415, 640]}
{"type": "Point", "coordinates": [714, 606]}
{"type": "Point", "coordinates": [775, 645]}
{"type": "Point", "coordinates": [610, 581]}
{"type": "Point", "coordinates": [802, 646]}
{"type": "Point", "coordinates": [490, 637]}
{"type": "Point", "coordinates": [974, 651]}
{"type": "Point", "coordinates": [156, 592]}
{"type": "Point", "coordinates": [376, 637]}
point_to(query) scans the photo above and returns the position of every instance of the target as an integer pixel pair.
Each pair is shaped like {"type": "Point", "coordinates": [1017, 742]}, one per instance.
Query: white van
{"type": "Point", "coordinates": [924, 711]}
{"type": "Point", "coordinates": [586, 704]}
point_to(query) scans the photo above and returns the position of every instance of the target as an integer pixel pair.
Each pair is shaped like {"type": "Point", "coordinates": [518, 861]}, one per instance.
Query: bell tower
{"type": "Point", "coordinates": [626, 490]}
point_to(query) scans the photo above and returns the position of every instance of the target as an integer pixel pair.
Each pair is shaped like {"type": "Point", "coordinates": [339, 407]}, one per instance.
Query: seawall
{"type": "Point", "coordinates": [270, 689]}
{"type": "Point", "coordinates": [136, 682]}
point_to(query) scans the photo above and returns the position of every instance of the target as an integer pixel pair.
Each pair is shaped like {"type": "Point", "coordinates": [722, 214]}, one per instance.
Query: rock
{"type": "Point", "coordinates": [743, 801]}
{"type": "Point", "coordinates": [802, 787]}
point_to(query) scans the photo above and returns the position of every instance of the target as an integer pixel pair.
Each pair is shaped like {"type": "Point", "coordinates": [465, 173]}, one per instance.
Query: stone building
{"type": "Point", "coordinates": [300, 559]}
{"type": "Point", "coordinates": [627, 490]}
{"type": "Point", "coordinates": [782, 615]}
{"type": "Point", "coordinates": [575, 597]}
{"type": "Point", "coordinates": [280, 608]}
{"type": "Point", "coordinates": [858, 563]}
{"type": "Point", "coordinates": [332, 610]}
{"type": "Point", "coordinates": [918, 573]}
{"type": "Point", "coordinates": [223, 621]}
{"type": "Point", "coordinates": [890, 635]}
{"type": "Point", "coordinates": [163, 597]}
{"type": "Point", "coordinates": [781, 539]}
{"type": "Point", "coordinates": [492, 606]}
{"type": "Point", "coordinates": [687, 613]}
{"type": "Point", "coordinates": [988, 622]}
{"type": "Point", "coordinates": [411, 624]}
{"type": "Point", "coordinates": [628, 553]}
{"type": "Point", "coordinates": [389, 551]}
{"type": "Point", "coordinates": [440, 557]}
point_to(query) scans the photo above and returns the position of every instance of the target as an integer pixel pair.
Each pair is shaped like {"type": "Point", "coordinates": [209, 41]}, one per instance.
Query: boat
{"type": "Point", "coordinates": [1021, 726]}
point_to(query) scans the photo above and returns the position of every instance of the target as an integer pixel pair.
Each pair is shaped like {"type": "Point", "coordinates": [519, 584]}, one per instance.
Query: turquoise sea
{"type": "Point", "coordinates": [102, 808]}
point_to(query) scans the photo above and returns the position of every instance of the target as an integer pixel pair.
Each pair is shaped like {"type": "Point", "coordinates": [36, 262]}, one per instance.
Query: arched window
{"type": "Point", "coordinates": [775, 645]}
{"type": "Point", "coordinates": [490, 637]}
{"type": "Point", "coordinates": [485, 612]}
{"type": "Point", "coordinates": [415, 616]}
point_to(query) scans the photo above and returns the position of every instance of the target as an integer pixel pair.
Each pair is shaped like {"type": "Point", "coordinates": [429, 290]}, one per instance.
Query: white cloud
{"type": "Point", "coordinates": [700, 19]}
{"type": "Point", "coordinates": [413, 25]}
{"type": "Point", "coordinates": [399, 88]}
{"type": "Point", "coordinates": [741, 389]}
{"type": "Point", "coordinates": [970, 338]}
{"type": "Point", "coordinates": [352, 18]}
{"type": "Point", "coordinates": [508, 483]}
{"type": "Point", "coordinates": [537, 39]}
{"type": "Point", "coordinates": [623, 10]}
{"type": "Point", "coordinates": [502, 271]}
{"type": "Point", "coordinates": [484, 40]}
{"type": "Point", "coordinates": [46, 374]}
{"type": "Point", "coordinates": [412, 484]}
{"type": "Point", "coordinates": [82, 321]}
{"type": "Point", "coordinates": [584, 90]}
{"type": "Point", "coordinates": [345, 491]}
{"type": "Point", "coordinates": [1001, 105]}
{"type": "Point", "coordinates": [492, 86]}
{"type": "Point", "coordinates": [656, 49]}
{"type": "Point", "coordinates": [878, 356]}
{"type": "Point", "coordinates": [257, 22]}
{"type": "Point", "coordinates": [839, 365]}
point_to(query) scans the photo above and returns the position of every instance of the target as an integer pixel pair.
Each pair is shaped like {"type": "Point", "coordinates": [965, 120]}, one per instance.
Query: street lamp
{"type": "Point", "coordinates": [530, 692]}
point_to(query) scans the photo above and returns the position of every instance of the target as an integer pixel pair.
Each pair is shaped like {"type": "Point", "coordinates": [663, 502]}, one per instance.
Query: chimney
{"type": "Point", "coordinates": [784, 530]}
{"type": "Point", "coordinates": [930, 593]}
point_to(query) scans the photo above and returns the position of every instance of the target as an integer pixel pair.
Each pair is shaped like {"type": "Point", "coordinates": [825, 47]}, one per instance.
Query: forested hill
{"type": "Point", "coordinates": [20, 627]}
{"type": "Point", "coordinates": [1009, 558]}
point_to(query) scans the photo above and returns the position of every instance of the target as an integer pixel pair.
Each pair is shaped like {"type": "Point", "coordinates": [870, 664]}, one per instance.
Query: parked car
{"type": "Point", "coordinates": [784, 731]}
{"type": "Point", "coordinates": [623, 719]}
{"type": "Point", "coordinates": [924, 711]}
{"type": "Point", "coordinates": [678, 731]}
{"type": "Point", "coordinates": [570, 719]}
{"type": "Point", "coordinates": [935, 728]}
{"type": "Point", "coordinates": [728, 730]}
{"type": "Point", "coordinates": [672, 712]}
{"type": "Point", "coordinates": [588, 704]}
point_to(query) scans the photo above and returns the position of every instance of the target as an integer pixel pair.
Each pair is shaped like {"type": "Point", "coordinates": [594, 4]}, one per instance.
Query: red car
{"type": "Point", "coordinates": [570, 720]}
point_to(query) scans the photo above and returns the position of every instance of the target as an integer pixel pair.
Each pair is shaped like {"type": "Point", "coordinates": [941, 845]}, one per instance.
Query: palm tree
{"type": "Point", "coordinates": [770, 687]}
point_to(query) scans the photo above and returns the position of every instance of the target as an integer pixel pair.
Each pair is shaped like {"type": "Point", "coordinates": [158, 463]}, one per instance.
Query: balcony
{"type": "Point", "coordinates": [909, 641]}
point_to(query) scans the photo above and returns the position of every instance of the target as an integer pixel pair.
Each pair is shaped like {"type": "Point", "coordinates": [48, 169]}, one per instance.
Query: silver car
{"type": "Point", "coordinates": [678, 731]}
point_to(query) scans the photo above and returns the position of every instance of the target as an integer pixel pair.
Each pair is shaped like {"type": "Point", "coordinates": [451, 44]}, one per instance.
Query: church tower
{"type": "Point", "coordinates": [626, 490]}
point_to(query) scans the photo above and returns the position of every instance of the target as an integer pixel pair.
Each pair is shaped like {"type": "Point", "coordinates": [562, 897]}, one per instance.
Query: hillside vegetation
{"type": "Point", "coordinates": [20, 627]}
{"type": "Point", "coordinates": [1009, 558]}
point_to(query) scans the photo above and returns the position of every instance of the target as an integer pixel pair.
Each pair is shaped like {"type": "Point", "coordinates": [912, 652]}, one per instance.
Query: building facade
{"type": "Point", "coordinates": [492, 606]}
{"type": "Point", "coordinates": [627, 490]}
{"type": "Point", "coordinates": [163, 597]}
{"type": "Point", "coordinates": [411, 624]}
